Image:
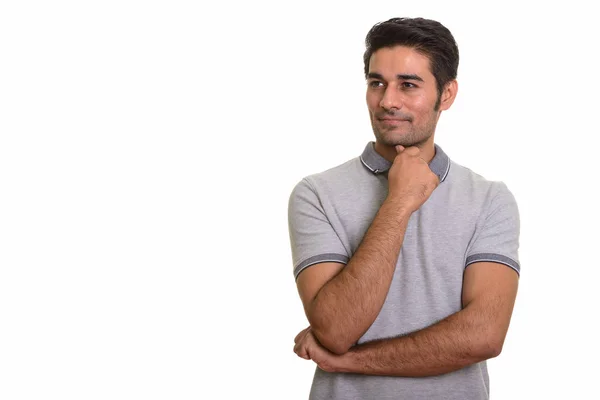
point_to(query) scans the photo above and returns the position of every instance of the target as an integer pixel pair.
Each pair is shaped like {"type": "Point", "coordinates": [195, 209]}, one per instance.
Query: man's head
{"type": "Point", "coordinates": [410, 66]}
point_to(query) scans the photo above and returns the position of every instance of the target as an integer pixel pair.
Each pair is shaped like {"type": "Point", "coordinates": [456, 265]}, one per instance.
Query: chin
{"type": "Point", "coordinates": [394, 139]}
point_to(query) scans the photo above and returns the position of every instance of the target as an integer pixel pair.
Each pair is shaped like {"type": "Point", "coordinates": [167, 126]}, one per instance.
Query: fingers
{"type": "Point", "coordinates": [300, 347]}
{"type": "Point", "coordinates": [413, 151]}
{"type": "Point", "coordinates": [301, 350]}
{"type": "Point", "coordinates": [301, 335]}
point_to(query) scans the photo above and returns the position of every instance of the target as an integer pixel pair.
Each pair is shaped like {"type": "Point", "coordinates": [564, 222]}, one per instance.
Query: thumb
{"type": "Point", "coordinates": [301, 335]}
{"type": "Point", "coordinates": [399, 148]}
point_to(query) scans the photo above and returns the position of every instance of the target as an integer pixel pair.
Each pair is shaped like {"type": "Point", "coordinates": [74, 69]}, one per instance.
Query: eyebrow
{"type": "Point", "coordinates": [406, 77]}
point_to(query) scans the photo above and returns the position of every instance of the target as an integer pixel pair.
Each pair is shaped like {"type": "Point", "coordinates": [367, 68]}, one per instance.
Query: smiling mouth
{"type": "Point", "coordinates": [392, 121]}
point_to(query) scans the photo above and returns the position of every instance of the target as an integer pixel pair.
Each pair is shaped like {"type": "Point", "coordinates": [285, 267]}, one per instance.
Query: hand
{"type": "Point", "coordinates": [308, 347]}
{"type": "Point", "coordinates": [410, 179]}
{"type": "Point", "coordinates": [300, 344]}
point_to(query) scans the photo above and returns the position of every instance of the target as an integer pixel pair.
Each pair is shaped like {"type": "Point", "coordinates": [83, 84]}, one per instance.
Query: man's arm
{"type": "Point", "coordinates": [471, 335]}
{"type": "Point", "coordinates": [341, 302]}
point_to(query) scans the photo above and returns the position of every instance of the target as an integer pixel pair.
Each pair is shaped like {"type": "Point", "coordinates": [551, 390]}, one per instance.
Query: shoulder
{"type": "Point", "coordinates": [486, 195]}
{"type": "Point", "coordinates": [331, 178]}
{"type": "Point", "coordinates": [467, 179]}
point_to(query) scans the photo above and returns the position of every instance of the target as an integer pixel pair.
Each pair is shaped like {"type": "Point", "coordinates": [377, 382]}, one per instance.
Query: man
{"type": "Point", "coordinates": [406, 262]}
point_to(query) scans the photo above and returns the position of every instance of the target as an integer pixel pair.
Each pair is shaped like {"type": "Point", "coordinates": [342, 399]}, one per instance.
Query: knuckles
{"type": "Point", "coordinates": [412, 151]}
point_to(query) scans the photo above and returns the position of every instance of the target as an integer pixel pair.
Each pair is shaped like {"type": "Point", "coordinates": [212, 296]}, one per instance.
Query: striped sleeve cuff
{"type": "Point", "coordinates": [331, 257]}
{"type": "Point", "coordinates": [491, 257]}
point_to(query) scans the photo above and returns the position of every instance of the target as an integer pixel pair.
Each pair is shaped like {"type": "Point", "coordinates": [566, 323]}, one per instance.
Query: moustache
{"type": "Point", "coordinates": [394, 115]}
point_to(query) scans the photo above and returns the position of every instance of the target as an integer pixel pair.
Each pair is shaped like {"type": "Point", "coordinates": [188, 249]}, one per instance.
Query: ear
{"type": "Point", "coordinates": [448, 95]}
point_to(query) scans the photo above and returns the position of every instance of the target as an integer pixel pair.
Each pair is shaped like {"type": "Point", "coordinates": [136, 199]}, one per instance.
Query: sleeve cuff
{"type": "Point", "coordinates": [330, 257]}
{"type": "Point", "coordinates": [492, 257]}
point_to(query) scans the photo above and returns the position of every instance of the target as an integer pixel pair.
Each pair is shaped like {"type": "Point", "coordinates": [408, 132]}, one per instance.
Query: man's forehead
{"type": "Point", "coordinates": [399, 60]}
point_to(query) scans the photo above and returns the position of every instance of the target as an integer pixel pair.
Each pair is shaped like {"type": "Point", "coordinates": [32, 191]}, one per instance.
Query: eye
{"type": "Point", "coordinates": [408, 85]}
{"type": "Point", "coordinates": [375, 84]}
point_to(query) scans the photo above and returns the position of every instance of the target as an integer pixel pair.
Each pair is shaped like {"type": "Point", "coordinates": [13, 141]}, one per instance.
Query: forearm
{"type": "Point", "coordinates": [347, 305]}
{"type": "Point", "coordinates": [460, 340]}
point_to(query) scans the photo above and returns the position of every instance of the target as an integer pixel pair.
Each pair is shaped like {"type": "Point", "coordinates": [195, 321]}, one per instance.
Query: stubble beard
{"type": "Point", "coordinates": [414, 137]}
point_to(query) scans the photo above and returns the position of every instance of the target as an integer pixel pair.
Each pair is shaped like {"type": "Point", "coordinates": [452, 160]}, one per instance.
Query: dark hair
{"type": "Point", "coordinates": [426, 36]}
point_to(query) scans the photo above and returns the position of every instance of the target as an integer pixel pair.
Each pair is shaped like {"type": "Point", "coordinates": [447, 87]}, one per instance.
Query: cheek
{"type": "Point", "coordinates": [372, 102]}
{"type": "Point", "coordinates": [420, 102]}
{"type": "Point", "coordinates": [421, 105]}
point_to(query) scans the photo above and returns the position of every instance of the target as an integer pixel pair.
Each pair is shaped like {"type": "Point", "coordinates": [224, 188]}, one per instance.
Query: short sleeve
{"type": "Point", "coordinates": [312, 237]}
{"type": "Point", "coordinates": [497, 238]}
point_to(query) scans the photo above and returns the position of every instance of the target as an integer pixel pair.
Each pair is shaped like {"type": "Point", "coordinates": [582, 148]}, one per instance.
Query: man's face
{"type": "Point", "coordinates": [401, 97]}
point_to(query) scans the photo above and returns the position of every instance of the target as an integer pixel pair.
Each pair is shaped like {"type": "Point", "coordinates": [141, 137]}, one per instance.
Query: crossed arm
{"type": "Point", "coordinates": [471, 335]}
{"type": "Point", "coordinates": [342, 303]}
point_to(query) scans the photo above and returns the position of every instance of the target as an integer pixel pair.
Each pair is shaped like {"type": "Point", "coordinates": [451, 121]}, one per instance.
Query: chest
{"type": "Point", "coordinates": [427, 282]}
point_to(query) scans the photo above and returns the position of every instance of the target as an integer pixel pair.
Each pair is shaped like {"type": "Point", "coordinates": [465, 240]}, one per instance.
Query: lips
{"type": "Point", "coordinates": [392, 120]}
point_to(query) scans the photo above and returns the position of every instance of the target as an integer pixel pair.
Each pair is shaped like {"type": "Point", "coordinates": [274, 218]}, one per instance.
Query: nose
{"type": "Point", "coordinates": [392, 98]}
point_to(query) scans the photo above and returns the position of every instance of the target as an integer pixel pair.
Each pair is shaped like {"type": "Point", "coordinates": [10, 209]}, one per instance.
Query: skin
{"type": "Point", "coordinates": [474, 334]}
{"type": "Point", "coordinates": [342, 302]}
{"type": "Point", "coordinates": [401, 98]}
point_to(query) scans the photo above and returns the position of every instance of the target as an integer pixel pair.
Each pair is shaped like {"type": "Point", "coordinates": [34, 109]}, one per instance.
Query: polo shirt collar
{"type": "Point", "coordinates": [440, 165]}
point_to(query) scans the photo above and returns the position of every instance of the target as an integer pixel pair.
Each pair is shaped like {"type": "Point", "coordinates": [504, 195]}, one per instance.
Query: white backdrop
{"type": "Point", "coordinates": [148, 150]}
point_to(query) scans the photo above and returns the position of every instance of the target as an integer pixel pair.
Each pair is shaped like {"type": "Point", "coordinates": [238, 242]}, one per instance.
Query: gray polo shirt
{"type": "Point", "coordinates": [465, 220]}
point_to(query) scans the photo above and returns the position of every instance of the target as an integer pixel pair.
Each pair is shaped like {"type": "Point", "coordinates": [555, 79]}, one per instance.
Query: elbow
{"type": "Point", "coordinates": [331, 342]}
{"type": "Point", "coordinates": [496, 348]}
{"type": "Point", "coordinates": [490, 347]}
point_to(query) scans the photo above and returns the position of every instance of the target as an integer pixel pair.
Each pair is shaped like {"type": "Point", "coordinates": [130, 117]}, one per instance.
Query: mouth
{"type": "Point", "coordinates": [392, 121]}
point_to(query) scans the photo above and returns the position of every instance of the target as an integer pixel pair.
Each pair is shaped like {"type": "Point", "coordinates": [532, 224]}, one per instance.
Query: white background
{"type": "Point", "coordinates": [148, 149]}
